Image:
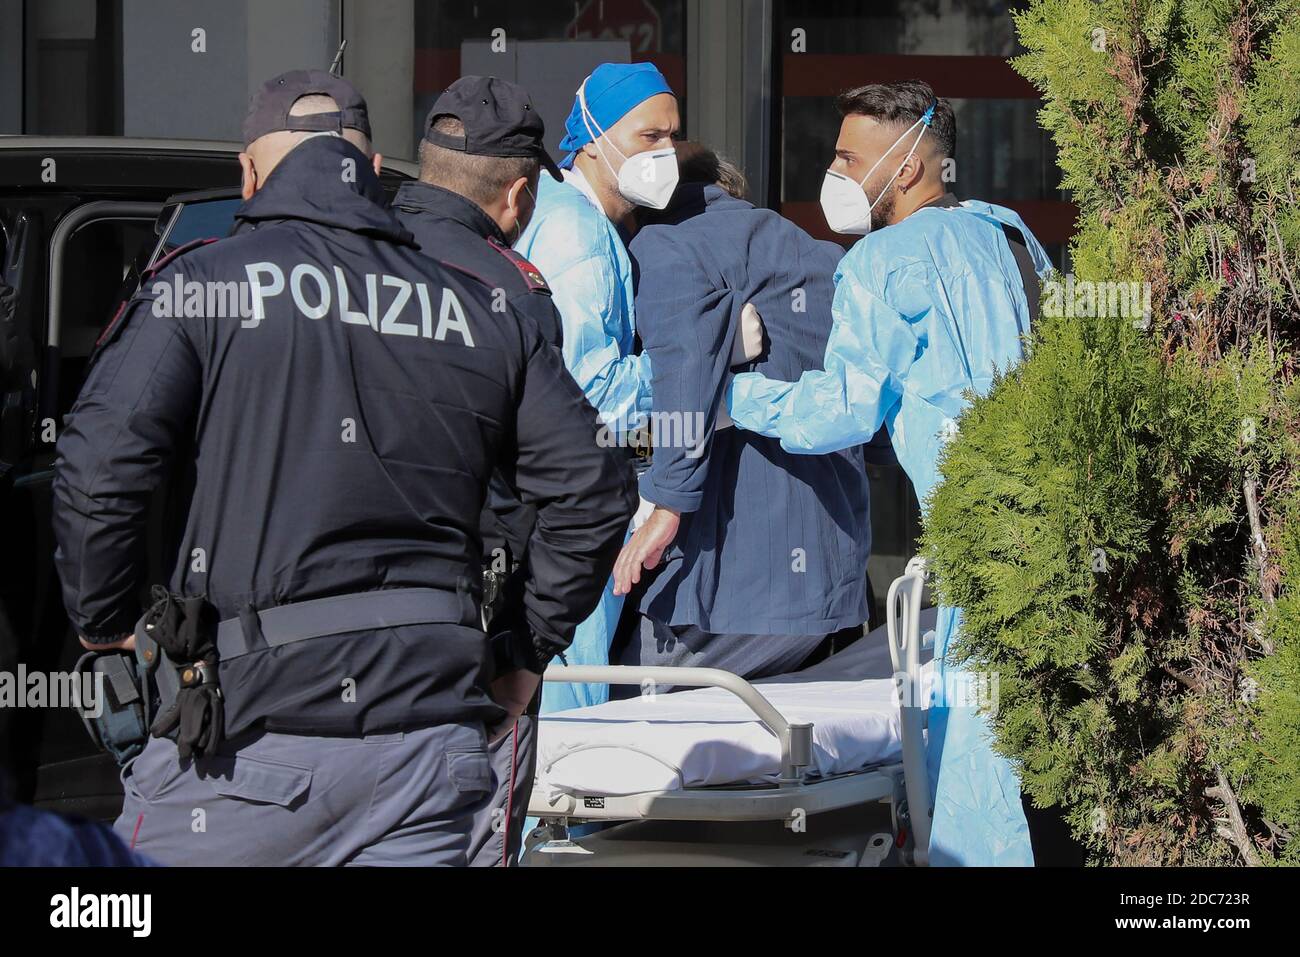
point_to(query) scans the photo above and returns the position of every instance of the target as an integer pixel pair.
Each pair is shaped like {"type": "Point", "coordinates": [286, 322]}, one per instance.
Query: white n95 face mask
{"type": "Point", "coordinates": [844, 200]}
{"type": "Point", "coordinates": [646, 179]}
{"type": "Point", "coordinates": [845, 204]}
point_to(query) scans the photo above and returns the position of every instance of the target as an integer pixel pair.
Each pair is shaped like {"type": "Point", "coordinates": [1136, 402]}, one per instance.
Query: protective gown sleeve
{"type": "Point", "coordinates": [868, 355]}
{"type": "Point", "coordinates": [596, 350]}
{"type": "Point", "coordinates": [585, 495]}
{"type": "Point", "coordinates": [140, 398]}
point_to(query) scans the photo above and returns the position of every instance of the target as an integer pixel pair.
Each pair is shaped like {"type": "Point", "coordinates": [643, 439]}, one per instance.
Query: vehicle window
{"type": "Point", "coordinates": [97, 261]}
{"type": "Point", "coordinates": [210, 219]}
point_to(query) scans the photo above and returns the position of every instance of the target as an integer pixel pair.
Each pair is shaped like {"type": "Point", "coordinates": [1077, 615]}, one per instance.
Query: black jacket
{"type": "Point", "coordinates": [325, 449]}
{"type": "Point", "coordinates": [457, 231]}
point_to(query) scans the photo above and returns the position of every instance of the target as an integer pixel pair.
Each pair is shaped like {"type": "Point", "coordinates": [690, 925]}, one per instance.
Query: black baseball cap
{"type": "Point", "coordinates": [268, 109]}
{"type": "Point", "coordinates": [499, 120]}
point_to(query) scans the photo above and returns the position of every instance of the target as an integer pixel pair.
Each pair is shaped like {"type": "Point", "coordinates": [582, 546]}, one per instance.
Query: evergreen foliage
{"type": "Point", "coordinates": [1120, 516]}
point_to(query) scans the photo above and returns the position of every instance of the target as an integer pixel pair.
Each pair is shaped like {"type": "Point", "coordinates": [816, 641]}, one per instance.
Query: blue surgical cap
{"type": "Point", "coordinates": [613, 90]}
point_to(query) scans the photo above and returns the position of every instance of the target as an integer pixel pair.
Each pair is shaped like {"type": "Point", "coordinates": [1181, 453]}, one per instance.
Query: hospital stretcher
{"type": "Point", "coordinates": [683, 767]}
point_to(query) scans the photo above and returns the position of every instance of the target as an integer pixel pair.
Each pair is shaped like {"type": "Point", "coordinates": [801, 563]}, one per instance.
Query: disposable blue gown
{"type": "Point", "coordinates": [580, 253]}
{"type": "Point", "coordinates": [924, 310]}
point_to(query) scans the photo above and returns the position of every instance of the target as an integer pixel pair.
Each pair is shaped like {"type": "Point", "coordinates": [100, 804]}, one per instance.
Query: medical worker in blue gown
{"type": "Point", "coordinates": [619, 140]}
{"type": "Point", "coordinates": [935, 298]}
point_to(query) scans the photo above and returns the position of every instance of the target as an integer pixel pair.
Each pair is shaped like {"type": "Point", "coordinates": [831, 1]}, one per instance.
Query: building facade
{"type": "Point", "coordinates": [757, 80]}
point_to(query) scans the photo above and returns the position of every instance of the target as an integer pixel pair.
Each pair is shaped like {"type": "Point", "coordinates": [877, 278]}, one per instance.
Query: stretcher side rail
{"type": "Point", "coordinates": [903, 620]}
{"type": "Point", "coordinates": [795, 737]}
{"type": "Point", "coordinates": [905, 783]}
{"type": "Point", "coordinates": [726, 804]}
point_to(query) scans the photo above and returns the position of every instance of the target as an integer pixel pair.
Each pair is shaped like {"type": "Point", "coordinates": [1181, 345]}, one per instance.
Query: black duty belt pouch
{"type": "Point", "coordinates": [191, 707]}
{"type": "Point", "coordinates": [117, 716]}
{"type": "Point", "coordinates": [499, 588]}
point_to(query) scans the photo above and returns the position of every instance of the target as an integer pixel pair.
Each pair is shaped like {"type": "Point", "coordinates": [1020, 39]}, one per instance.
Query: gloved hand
{"type": "Point", "coordinates": [185, 628]}
{"type": "Point", "coordinates": [748, 344]}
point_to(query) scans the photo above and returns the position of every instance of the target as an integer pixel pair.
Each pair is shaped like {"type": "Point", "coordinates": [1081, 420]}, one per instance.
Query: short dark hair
{"type": "Point", "coordinates": [477, 178]}
{"type": "Point", "coordinates": [699, 164]}
{"type": "Point", "coordinates": [902, 104]}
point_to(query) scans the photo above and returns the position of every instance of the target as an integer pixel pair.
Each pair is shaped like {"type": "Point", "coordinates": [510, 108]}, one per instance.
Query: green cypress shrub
{"type": "Point", "coordinates": [1120, 515]}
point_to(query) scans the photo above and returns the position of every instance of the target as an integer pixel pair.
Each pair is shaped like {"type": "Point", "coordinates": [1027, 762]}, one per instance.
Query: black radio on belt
{"type": "Point", "coordinates": [117, 719]}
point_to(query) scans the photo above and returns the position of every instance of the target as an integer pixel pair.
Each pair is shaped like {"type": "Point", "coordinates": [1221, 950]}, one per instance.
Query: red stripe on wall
{"type": "Point", "coordinates": [671, 65]}
{"type": "Point", "coordinates": [435, 70]}
{"type": "Point", "coordinates": [827, 74]}
{"type": "Point", "coordinates": [1051, 220]}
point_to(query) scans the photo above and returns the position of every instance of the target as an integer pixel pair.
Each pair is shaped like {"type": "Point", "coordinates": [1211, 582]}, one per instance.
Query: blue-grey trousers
{"type": "Point", "coordinates": [498, 832]}
{"type": "Point", "coordinates": [408, 798]}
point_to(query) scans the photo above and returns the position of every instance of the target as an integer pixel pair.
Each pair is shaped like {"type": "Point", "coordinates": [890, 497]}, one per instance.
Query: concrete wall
{"type": "Point", "coordinates": [380, 62]}
{"type": "Point", "coordinates": [171, 88]}
{"type": "Point", "coordinates": [288, 35]}
{"type": "Point", "coordinates": [728, 69]}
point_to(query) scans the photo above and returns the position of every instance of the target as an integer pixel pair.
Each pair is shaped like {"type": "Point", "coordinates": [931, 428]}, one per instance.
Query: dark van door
{"type": "Point", "coordinates": [87, 263]}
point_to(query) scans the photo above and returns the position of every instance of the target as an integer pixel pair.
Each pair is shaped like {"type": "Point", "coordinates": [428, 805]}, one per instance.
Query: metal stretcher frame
{"type": "Point", "coordinates": [906, 782]}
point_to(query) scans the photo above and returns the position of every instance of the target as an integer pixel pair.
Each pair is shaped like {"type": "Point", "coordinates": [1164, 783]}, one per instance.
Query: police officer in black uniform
{"type": "Point", "coordinates": [330, 446]}
{"type": "Point", "coordinates": [479, 162]}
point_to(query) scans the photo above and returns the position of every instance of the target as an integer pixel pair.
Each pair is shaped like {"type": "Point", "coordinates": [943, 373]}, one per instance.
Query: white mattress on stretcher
{"type": "Point", "coordinates": [707, 736]}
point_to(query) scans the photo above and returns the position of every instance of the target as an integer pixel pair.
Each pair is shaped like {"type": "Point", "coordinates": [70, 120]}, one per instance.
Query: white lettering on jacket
{"type": "Point", "coordinates": [388, 305]}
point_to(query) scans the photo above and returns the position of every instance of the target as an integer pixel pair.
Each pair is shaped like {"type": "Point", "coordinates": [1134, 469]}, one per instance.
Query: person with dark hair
{"type": "Point", "coordinates": [480, 161]}
{"type": "Point", "coordinates": [898, 105]}
{"type": "Point", "coordinates": [768, 549]}
{"type": "Point", "coordinates": [928, 307]}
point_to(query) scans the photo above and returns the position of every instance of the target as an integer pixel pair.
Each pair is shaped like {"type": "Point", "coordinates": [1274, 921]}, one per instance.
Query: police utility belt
{"type": "Point", "coordinates": [170, 687]}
